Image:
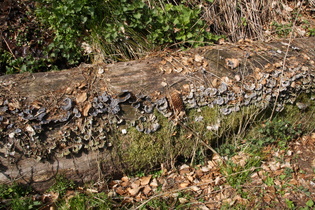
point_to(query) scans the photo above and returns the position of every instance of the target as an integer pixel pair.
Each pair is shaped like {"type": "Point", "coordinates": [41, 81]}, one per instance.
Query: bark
{"type": "Point", "coordinates": [40, 134]}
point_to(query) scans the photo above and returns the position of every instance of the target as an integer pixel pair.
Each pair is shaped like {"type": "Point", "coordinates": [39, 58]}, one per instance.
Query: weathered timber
{"type": "Point", "coordinates": [78, 122]}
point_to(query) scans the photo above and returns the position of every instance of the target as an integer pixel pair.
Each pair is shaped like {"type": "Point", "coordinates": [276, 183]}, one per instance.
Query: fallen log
{"type": "Point", "coordinates": [107, 119]}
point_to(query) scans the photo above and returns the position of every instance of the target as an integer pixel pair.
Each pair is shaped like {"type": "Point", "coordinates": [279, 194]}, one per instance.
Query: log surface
{"type": "Point", "coordinates": [41, 136]}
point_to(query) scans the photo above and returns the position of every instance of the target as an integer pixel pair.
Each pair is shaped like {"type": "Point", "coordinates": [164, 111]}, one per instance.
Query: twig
{"type": "Point", "coordinates": [8, 46]}
{"type": "Point", "coordinates": [284, 61]}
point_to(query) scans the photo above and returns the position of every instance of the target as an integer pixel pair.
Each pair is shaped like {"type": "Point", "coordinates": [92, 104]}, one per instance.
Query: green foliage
{"type": "Point", "coordinates": [178, 24]}
{"type": "Point", "coordinates": [282, 30]}
{"type": "Point", "coordinates": [28, 63]}
{"type": "Point", "coordinates": [61, 185]}
{"type": "Point", "coordinates": [290, 204]}
{"type": "Point", "coordinates": [310, 203]}
{"type": "Point", "coordinates": [237, 175]}
{"type": "Point", "coordinates": [125, 29]}
{"type": "Point", "coordinates": [14, 190]}
{"type": "Point", "coordinates": [68, 20]}
{"type": "Point", "coordinates": [156, 204]}
{"type": "Point", "coordinates": [269, 181]}
{"type": "Point", "coordinates": [89, 201]}
{"type": "Point", "coordinates": [227, 149]}
{"type": "Point", "coordinates": [311, 32]}
{"type": "Point", "coordinates": [277, 131]}
{"type": "Point", "coordinates": [17, 196]}
{"type": "Point", "coordinates": [114, 29]}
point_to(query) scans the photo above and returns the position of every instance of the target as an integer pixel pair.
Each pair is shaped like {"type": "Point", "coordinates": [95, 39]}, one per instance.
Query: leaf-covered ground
{"type": "Point", "coordinates": [279, 178]}
{"type": "Point", "coordinates": [285, 178]}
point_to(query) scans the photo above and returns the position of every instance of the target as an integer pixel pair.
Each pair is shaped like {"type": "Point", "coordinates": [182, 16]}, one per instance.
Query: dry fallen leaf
{"type": "Point", "coordinates": [120, 190]}
{"type": "Point", "coordinates": [169, 59]}
{"type": "Point", "coordinates": [91, 190]}
{"type": "Point", "coordinates": [125, 179]}
{"type": "Point", "coordinates": [81, 97]}
{"type": "Point", "coordinates": [233, 63]}
{"type": "Point", "coordinates": [147, 189]}
{"type": "Point", "coordinates": [135, 184]}
{"type": "Point", "coordinates": [154, 183]}
{"type": "Point", "coordinates": [183, 184]}
{"type": "Point", "coordinates": [205, 64]}
{"type": "Point", "coordinates": [133, 191]}
{"type": "Point", "coordinates": [198, 58]}
{"type": "Point", "coordinates": [145, 180]}
{"type": "Point", "coordinates": [195, 188]}
{"type": "Point", "coordinates": [182, 200]}
{"type": "Point", "coordinates": [163, 62]}
{"type": "Point", "coordinates": [185, 61]}
{"type": "Point", "coordinates": [86, 109]}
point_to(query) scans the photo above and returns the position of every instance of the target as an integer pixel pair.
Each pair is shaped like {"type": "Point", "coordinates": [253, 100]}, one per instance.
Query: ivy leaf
{"type": "Point", "coordinates": [137, 15]}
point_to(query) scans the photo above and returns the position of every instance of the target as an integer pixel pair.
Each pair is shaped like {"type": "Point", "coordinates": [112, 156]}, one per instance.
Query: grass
{"type": "Point", "coordinates": [17, 196]}
{"type": "Point", "coordinates": [87, 201]}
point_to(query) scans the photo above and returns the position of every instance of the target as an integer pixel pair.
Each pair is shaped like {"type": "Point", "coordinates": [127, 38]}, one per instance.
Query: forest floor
{"type": "Point", "coordinates": [280, 177]}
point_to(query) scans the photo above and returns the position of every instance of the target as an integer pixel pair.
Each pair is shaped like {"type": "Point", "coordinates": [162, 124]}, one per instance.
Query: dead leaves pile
{"type": "Point", "coordinates": [285, 179]}
{"type": "Point", "coordinates": [285, 175]}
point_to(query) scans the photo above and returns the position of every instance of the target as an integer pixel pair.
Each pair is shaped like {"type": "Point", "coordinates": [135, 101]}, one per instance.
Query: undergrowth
{"type": "Point", "coordinates": [62, 34]}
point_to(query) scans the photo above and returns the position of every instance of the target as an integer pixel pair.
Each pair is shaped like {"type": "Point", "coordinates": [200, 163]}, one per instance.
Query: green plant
{"type": "Point", "coordinates": [227, 150]}
{"type": "Point", "coordinates": [311, 31]}
{"type": "Point", "coordinates": [157, 174]}
{"type": "Point", "coordinates": [61, 185]}
{"type": "Point", "coordinates": [277, 131]}
{"type": "Point", "coordinates": [179, 24]}
{"type": "Point", "coordinates": [157, 203]}
{"type": "Point", "coordinates": [17, 196]}
{"type": "Point", "coordinates": [236, 174]}
{"type": "Point", "coordinates": [125, 30]}
{"type": "Point", "coordinates": [310, 203]}
{"type": "Point", "coordinates": [290, 204]}
{"type": "Point", "coordinates": [14, 190]}
{"type": "Point", "coordinates": [140, 174]}
{"type": "Point", "coordinates": [282, 30]}
{"type": "Point", "coordinates": [269, 181]}
{"type": "Point", "coordinates": [88, 201]}
{"type": "Point", "coordinates": [68, 20]}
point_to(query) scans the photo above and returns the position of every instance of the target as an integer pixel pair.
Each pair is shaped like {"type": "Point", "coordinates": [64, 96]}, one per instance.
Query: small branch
{"type": "Point", "coordinates": [284, 61]}
{"type": "Point", "coordinates": [8, 46]}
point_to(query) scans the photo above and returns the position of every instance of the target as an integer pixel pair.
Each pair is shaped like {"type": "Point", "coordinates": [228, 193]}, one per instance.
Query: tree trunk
{"type": "Point", "coordinates": [103, 120]}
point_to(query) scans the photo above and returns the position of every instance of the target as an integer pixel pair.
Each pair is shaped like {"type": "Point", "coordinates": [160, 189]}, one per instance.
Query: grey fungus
{"type": "Point", "coordinates": [136, 105]}
{"type": "Point", "coordinates": [219, 100]}
{"type": "Point", "coordinates": [155, 126]}
{"type": "Point", "coordinates": [269, 89]}
{"type": "Point", "coordinates": [104, 98]}
{"type": "Point", "coordinates": [124, 96]}
{"type": "Point", "coordinates": [140, 128]}
{"type": "Point", "coordinates": [67, 104]}
{"type": "Point", "coordinates": [222, 88]}
{"type": "Point", "coordinates": [65, 118]}
{"type": "Point", "coordinates": [225, 111]}
{"type": "Point", "coordinates": [148, 108]}
{"type": "Point", "coordinates": [162, 104]}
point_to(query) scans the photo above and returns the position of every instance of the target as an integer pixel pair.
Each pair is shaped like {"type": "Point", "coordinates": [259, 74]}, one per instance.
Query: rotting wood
{"type": "Point", "coordinates": [50, 123]}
